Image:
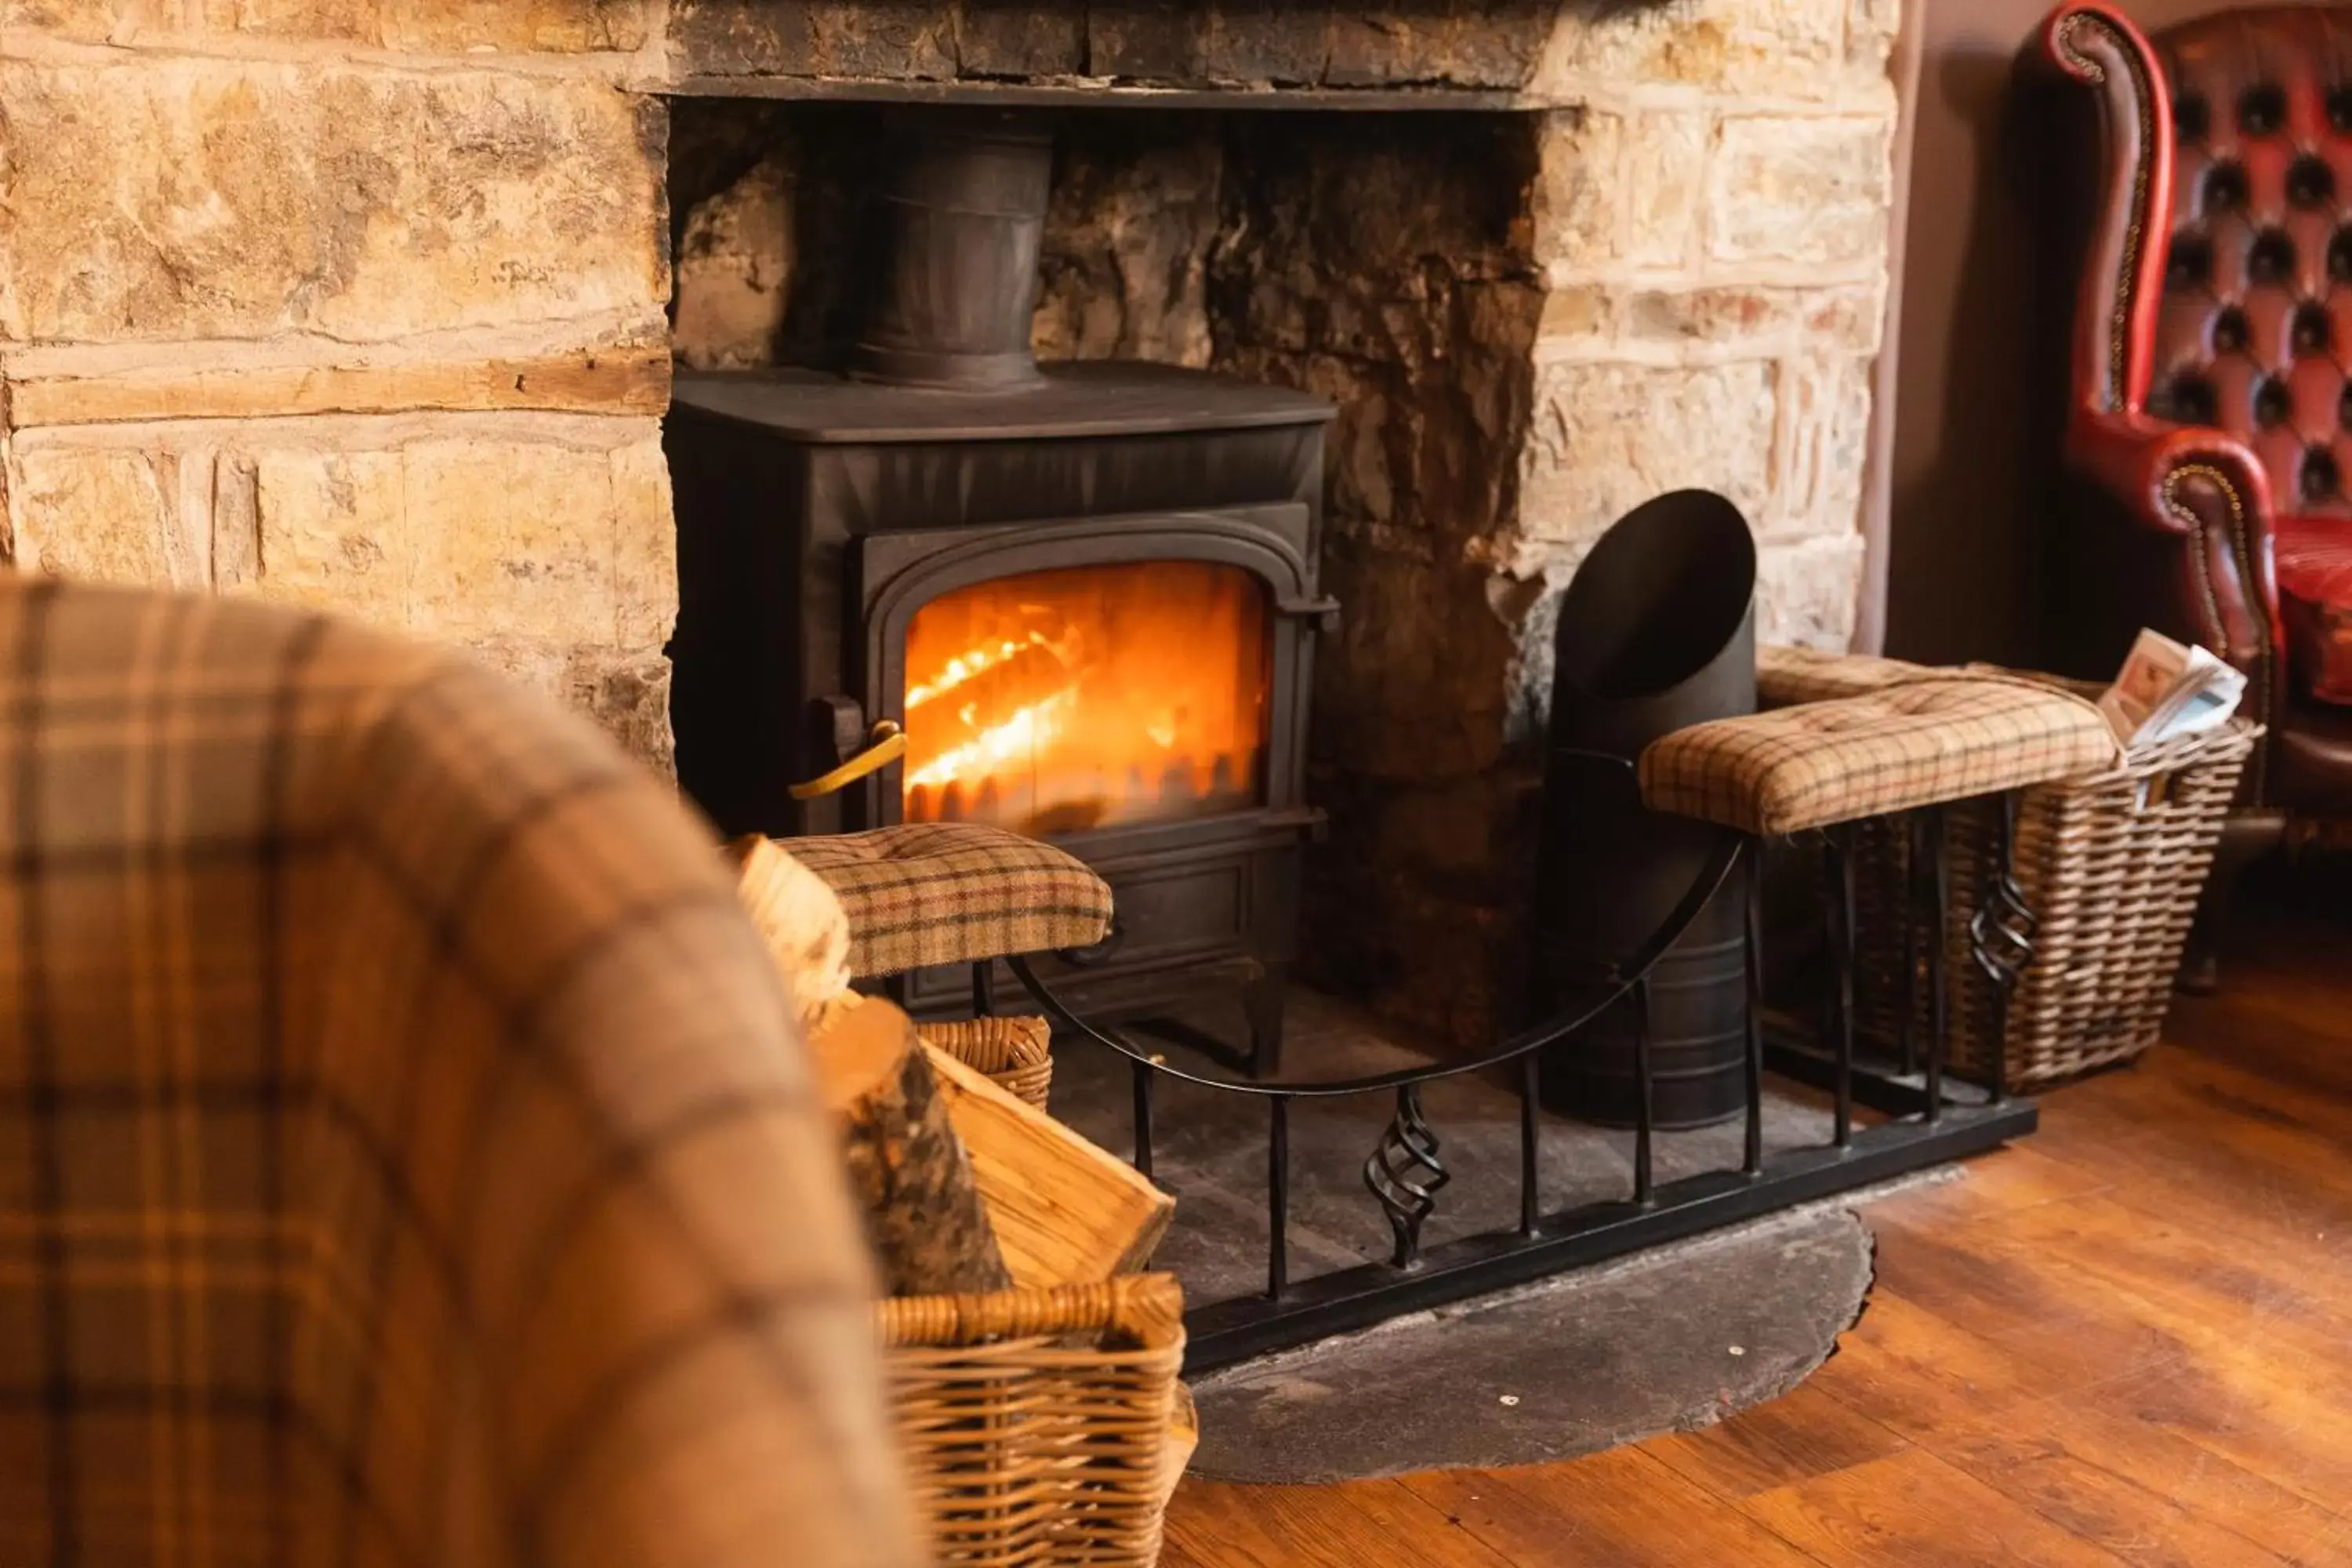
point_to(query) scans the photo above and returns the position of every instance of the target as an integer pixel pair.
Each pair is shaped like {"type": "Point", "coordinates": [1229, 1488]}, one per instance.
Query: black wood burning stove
{"type": "Point", "coordinates": [1086, 595]}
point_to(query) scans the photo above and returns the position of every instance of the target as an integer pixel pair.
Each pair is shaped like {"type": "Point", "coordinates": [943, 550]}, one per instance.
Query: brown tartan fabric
{"type": "Point", "coordinates": [1913, 743]}
{"type": "Point", "coordinates": [405, 1158]}
{"type": "Point", "coordinates": [945, 892]}
{"type": "Point", "coordinates": [1787, 676]}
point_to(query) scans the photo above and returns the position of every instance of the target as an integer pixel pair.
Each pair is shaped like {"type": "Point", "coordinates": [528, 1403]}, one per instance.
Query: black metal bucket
{"type": "Point", "coordinates": [1657, 631]}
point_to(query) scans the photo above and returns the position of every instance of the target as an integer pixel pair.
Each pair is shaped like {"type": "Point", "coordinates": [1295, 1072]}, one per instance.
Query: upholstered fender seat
{"type": "Point", "coordinates": [1916, 738]}
{"type": "Point", "coordinates": [945, 893]}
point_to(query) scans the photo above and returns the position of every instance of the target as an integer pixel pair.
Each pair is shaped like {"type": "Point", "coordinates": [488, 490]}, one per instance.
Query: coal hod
{"type": "Point", "coordinates": [1656, 631]}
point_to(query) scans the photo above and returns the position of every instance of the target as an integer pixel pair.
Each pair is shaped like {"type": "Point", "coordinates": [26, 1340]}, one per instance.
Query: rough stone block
{"type": "Point", "coordinates": [1498, 44]}
{"type": "Point", "coordinates": [1825, 432]}
{"type": "Point", "coordinates": [1870, 33]}
{"type": "Point", "coordinates": [420, 27]}
{"type": "Point", "coordinates": [894, 40]}
{"type": "Point", "coordinates": [1148, 40]}
{"type": "Point", "coordinates": [1807, 190]}
{"type": "Point", "coordinates": [1749, 319]}
{"type": "Point", "coordinates": [624, 691]}
{"type": "Point", "coordinates": [1792, 48]}
{"type": "Point", "coordinates": [1807, 590]}
{"type": "Point", "coordinates": [1280, 42]}
{"type": "Point", "coordinates": [537, 540]}
{"type": "Point", "coordinates": [463, 529]}
{"type": "Point", "coordinates": [1660, 173]}
{"type": "Point", "coordinates": [1391, 46]}
{"type": "Point", "coordinates": [1486, 45]}
{"type": "Point", "coordinates": [1134, 219]}
{"type": "Point", "coordinates": [202, 198]}
{"type": "Point", "coordinates": [107, 516]}
{"type": "Point", "coordinates": [1781, 49]}
{"type": "Point", "coordinates": [1608, 437]}
{"type": "Point", "coordinates": [1681, 42]}
{"type": "Point", "coordinates": [1577, 205]}
{"type": "Point", "coordinates": [741, 38]}
{"type": "Point", "coordinates": [1622, 188]}
{"type": "Point", "coordinates": [735, 263]}
{"type": "Point", "coordinates": [1020, 38]}
{"type": "Point", "coordinates": [330, 533]}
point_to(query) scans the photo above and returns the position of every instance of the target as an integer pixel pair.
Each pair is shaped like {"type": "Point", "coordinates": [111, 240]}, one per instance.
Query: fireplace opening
{"type": "Point", "coordinates": [1083, 698]}
{"type": "Point", "coordinates": [1275, 367]}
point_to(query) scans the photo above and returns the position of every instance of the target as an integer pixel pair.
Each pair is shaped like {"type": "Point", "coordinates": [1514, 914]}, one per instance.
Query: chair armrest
{"type": "Point", "coordinates": [2203, 491]}
{"type": "Point", "coordinates": [2093, 44]}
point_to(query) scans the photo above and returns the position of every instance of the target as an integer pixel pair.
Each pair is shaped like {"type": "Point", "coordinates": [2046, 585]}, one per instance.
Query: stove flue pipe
{"type": "Point", "coordinates": [959, 224]}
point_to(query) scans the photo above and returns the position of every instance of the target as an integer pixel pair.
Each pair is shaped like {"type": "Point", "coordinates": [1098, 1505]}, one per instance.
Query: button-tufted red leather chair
{"type": "Point", "coordinates": [2209, 416]}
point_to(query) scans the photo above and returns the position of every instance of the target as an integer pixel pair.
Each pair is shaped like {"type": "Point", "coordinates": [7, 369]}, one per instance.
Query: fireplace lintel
{"type": "Point", "coordinates": [1114, 95]}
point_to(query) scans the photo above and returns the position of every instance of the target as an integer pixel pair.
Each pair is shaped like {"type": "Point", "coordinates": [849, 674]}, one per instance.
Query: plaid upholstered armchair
{"type": "Point", "coordinates": [407, 1160]}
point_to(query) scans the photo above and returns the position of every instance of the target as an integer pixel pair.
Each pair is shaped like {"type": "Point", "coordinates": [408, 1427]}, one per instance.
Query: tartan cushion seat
{"type": "Point", "coordinates": [1912, 742]}
{"type": "Point", "coordinates": [1787, 676]}
{"type": "Point", "coordinates": [951, 893]}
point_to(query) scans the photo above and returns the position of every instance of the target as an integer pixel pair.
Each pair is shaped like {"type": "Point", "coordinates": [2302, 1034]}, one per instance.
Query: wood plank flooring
{"type": "Point", "coordinates": [2126, 1341]}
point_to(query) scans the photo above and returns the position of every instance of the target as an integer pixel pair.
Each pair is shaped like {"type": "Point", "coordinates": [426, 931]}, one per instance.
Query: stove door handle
{"type": "Point", "coordinates": [1322, 614]}
{"type": "Point", "coordinates": [887, 743]}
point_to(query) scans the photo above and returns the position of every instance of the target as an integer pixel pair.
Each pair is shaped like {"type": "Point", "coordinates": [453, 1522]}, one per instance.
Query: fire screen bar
{"type": "Point", "coordinates": [1932, 1119]}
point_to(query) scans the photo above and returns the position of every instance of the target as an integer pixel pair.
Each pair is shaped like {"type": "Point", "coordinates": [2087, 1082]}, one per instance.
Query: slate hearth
{"type": "Point", "coordinates": [1210, 1151]}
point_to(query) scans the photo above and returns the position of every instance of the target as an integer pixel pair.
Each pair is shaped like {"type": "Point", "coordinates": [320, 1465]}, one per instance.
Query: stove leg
{"type": "Point", "coordinates": [1262, 1007]}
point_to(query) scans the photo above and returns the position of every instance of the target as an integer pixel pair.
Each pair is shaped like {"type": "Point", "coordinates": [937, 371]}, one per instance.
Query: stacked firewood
{"type": "Point", "coordinates": [964, 1186]}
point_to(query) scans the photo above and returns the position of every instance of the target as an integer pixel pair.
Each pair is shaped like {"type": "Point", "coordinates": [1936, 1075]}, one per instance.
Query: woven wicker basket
{"type": "Point", "coordinates": [2112, 865]}
{"type": "Point", "coordinates": [1036, 1424]}
{"type": "Point", "coordinates": [1015, 1052]}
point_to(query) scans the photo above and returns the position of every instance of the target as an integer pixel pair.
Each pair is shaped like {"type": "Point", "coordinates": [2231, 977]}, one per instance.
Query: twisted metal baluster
{"type": "Point", "coordinates": [1405, 1174]}
{"type": "Point", "coordinates": [2001, 936]}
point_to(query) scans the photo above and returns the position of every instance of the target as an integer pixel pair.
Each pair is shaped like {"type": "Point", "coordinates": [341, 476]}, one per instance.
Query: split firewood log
{"type": "Point", "coordinates": [806, 929]}
{"type": "Point", "coordinates": [924, 1215]}
{"type": "Point", "coordinates": [1066, 1212]}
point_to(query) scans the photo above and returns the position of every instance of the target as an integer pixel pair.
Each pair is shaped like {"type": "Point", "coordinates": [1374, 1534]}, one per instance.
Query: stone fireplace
{"type": "Point", "coordinates": [367, 304]}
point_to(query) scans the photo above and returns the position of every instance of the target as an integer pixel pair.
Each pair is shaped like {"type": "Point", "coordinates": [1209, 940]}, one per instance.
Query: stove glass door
{"type": "Point", "coordinates": [1088, 697]}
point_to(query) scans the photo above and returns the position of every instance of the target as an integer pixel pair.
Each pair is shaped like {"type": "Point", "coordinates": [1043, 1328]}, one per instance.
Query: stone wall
{"type": "Point", "coordinates": [1664, 266]}
{"type": "Point", "coordinates": [352, 303]}
{"type": "Point", "coordinates": [360, 303]}
{"type": "Point", "coordinates": [1387, 264]}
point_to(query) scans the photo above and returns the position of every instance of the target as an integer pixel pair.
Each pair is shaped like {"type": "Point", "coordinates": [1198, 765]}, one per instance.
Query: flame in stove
{"type": "Point", "coordinates": [1028, 729]}
{"type": "Point", "coordinates": [1086, 697]}
{"type": "Point", "coordinates": [969, 663]}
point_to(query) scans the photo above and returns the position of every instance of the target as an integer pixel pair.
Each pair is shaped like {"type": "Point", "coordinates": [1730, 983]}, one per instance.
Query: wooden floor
{"type": "Point", "coordinates": [2128, 1340]}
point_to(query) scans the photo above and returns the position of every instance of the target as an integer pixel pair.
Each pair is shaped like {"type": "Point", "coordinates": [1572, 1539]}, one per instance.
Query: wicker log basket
{"type": "Point", "coordinates": [1036, 1424]}
{"type": "Point", "coordinates": [2112, 865]}
{"type": "Point", "coordinates": [1015, 1052]}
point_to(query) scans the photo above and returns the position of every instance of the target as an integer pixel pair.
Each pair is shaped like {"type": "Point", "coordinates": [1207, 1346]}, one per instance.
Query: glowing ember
{"type": "Point", "coordinates": [1028, 729]}
{"type": "Point", "coordinates": [964, 667]}
{"type": "Point", "coordinates": [1088, 697]}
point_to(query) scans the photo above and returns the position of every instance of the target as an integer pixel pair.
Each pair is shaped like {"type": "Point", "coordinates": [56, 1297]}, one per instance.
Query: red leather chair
{"type": "Point", "coordinates": [2209, 419]}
